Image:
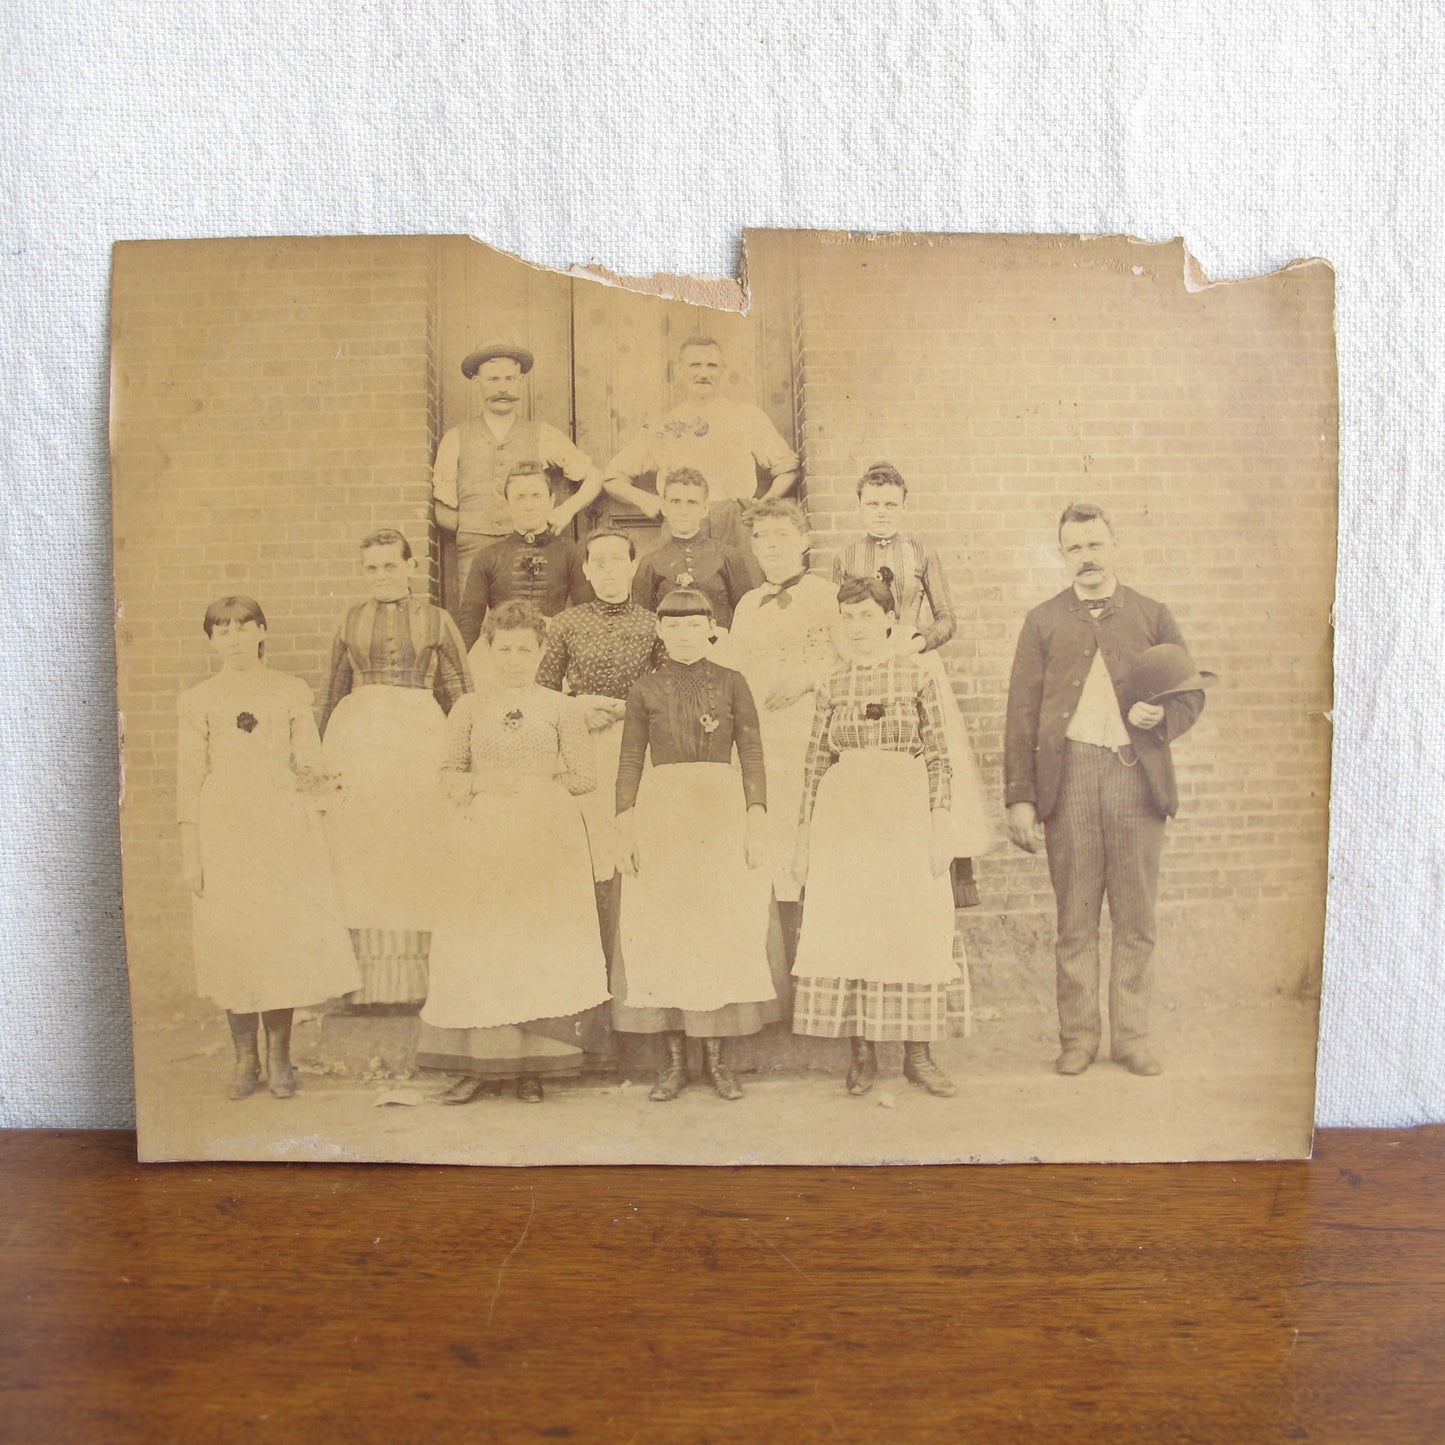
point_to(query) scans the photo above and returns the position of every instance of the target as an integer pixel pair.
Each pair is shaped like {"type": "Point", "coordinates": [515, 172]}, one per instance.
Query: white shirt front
{"type": "Point", "coordinates": [1097, 719]}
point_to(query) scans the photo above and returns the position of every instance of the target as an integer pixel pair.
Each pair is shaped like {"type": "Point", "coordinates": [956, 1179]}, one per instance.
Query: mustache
{"type": "Point", "coordinates": [502, 396]}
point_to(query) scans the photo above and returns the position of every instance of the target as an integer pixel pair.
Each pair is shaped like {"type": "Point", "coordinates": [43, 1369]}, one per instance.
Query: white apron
{"type": "Point", "coordinates": [515, 936]}
{"type": "Point", "coordinates": [695, 918]}
{"type": "Point", "coordinates": [873, 909]}
{"type": "Point", "coordinates": [387, 746]}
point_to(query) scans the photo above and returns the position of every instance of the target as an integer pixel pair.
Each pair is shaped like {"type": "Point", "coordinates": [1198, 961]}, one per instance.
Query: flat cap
{"type": "Point", "coordinates": [478, 359]}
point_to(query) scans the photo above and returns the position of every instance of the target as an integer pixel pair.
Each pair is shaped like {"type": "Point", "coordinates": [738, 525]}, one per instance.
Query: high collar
{"type": "Point", "coordinates": [1115, 599]}
{"type": "Point", "coordinates": [395, 601]}
{"type": "Point", "coordinates": [533, 539]}
{"type": "Point", "coordinates": [614, 609]}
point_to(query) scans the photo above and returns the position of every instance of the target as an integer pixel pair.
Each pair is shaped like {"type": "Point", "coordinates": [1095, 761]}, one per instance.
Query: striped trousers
{"type": "Point", "coordinates": [1104, 839]}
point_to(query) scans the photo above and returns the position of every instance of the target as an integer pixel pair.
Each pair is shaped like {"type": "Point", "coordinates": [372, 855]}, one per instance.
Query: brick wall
{"type": "Point", "coordinates": [272, 401]}
{"type": "Point", "coordinates": [1005, 378]}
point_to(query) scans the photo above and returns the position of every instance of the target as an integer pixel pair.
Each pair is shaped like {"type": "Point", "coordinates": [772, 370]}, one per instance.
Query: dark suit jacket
{"type": "Point", "coordinates": [1055, 652]}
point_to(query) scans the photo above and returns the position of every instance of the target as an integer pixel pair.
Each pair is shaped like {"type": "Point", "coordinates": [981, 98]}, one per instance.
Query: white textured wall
{"type": "Point", "coordinates": [646, 136]}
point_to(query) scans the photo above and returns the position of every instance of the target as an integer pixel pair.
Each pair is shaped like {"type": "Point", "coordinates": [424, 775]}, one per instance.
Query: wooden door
{"type": "Point", "coordinates": [485, 296]}
{"type": "Point", "coordinates": [624, 350]}
{"type": "Point", "coordinates": [605, 357]}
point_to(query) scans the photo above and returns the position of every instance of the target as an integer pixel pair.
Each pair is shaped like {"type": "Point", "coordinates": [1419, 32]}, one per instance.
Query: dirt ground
{"type": "Point", "coordinates": [1237, 1084]}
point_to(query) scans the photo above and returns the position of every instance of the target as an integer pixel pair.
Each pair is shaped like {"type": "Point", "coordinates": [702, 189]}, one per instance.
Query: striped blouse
{"type": "Point", "coordinates": [891, 704]}
{"type": "Point", "coordinates": [912, 573]}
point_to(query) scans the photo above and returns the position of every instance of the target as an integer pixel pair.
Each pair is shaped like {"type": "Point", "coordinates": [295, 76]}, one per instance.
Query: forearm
{"type": "Point", "coordinates": [782, 484]}
{"type": "Point", "coordinates": [621, 489]}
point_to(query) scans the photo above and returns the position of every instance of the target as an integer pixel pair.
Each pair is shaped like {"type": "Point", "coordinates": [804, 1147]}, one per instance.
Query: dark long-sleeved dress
{"type": "Point", "coordinates": [695, 916]}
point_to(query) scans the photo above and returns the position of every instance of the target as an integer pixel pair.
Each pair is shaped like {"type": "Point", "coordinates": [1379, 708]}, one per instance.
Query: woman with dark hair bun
{"type": "Point", "coordinates": [267, 927]}
{"type": "Point", "coordinates": [875, 839]}
{"type": "Point", "coordinates": [693, 954]}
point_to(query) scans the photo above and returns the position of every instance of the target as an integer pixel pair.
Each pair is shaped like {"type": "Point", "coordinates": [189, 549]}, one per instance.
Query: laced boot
{"type": "Point", "coordinates": [673, 1078]}
{"type": "Point", "coordinates": [529, 1089]}
{"type": "Point", "coordinates": [280, 1076]}
{"type": "Point", "coordinates": [244, 1031]}
{"type": "Point", "coordinates": [718, 1072]}
{"type": "Point", "coordinates": [863, 1069]}
{"type": "Point", "coordinates": [919, 1068]}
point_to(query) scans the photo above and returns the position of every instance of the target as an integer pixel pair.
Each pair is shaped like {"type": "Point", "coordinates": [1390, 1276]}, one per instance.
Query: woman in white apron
{"type": "Point", "coordinates": [267, 927]}
{"type": "Point", "coordinates": [876, 955]}
{"type": "Point", "coordinates": [596, 651]}
{"type": "Point", "coordinates": [913, 573]}
{"type": "Point", "coordinates": [517, 969]}
{"type": "Point", "coordinates": [690, 842]}
{"type": "Point", "coordinates": [385, 740]}
{"type": "Point", "coordinates": [783, 643]}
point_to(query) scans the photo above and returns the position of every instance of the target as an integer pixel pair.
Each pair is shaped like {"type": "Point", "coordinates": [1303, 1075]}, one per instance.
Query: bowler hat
{"type": "Point", "coordinates": [478, 359]}
{"type": "Point", "coordinates": [1165, 669]}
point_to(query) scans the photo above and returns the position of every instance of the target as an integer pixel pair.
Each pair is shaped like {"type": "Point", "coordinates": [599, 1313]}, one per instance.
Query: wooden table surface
{"type": "Point", "coordinates": [351, 1302]}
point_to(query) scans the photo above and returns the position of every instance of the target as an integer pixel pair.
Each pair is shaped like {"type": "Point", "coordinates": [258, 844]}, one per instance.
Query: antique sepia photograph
{"type": "Point", "coordinates": [875, 711]}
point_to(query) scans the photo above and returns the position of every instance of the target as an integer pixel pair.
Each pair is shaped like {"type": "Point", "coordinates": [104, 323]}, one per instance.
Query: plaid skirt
{"type": "Point", "coordinates": [839, 1008]}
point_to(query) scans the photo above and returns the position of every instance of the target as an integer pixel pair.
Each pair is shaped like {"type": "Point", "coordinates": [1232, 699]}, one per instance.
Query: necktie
{"type": "Point", "coordinates": [780, 596]}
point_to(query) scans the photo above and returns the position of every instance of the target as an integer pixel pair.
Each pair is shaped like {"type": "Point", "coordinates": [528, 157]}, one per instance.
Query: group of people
{"type": "Point", "coordinates": [762, 774]}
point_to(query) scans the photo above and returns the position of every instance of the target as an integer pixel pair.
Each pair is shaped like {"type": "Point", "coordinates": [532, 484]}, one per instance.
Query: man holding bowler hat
{"type": "Point", "coordinates": [1101, 686]}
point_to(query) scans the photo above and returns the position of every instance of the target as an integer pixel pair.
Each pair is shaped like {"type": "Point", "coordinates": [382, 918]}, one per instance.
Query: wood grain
{"type": "Point", "coordinates": [1207, 1302]}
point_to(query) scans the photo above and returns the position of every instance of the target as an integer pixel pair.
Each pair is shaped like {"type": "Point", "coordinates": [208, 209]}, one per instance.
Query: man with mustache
{"type": "Point", "coordinates": [475, 458]}
{"type": "Point", "coordinates": [727, 441]}
{"type": "Point", "coordinates": [1088, 774]}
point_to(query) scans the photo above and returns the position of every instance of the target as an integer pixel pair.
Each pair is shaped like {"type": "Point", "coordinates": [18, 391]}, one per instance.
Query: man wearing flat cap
{"type": "Point", "coordinates": [1101, 686]}
{"type": "Point", "coordinates": [475, 458]}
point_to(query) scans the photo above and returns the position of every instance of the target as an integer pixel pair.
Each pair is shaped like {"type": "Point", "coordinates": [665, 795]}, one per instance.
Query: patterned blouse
{"type": "Point", "coordinates": [720, 573]}
{"type": "Point", "coordinates": [526, 732]}
{"type": "Point", "coordinates": [891, 704]}
{"type": "Point", "coordinates": [693, 713]}
{"type": "Point", "coordinates": [253, 722]}
{"type": "Point", "coordinates": [913, 574]}
{"type": "Point", "coordinates": [599, 648]}
{"type": "Point", "coordinates": [785, 633]}
{"type": "Point", "coordinates": [406, 643]}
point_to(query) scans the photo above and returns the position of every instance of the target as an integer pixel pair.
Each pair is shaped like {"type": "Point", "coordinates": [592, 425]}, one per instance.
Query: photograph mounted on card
{"type": "Point", "coordinates": [874, 711]}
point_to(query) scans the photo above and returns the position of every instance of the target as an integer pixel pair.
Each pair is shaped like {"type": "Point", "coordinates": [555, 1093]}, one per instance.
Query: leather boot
{"type": "Point", "coordinates": [529, 1089]}
{"type": "Point", "coordinates": [673, 1078]}
{"type": "Point", "coordinates": [244, 1030]}
{"type": "Point", "coordinates": [863, 1069]}
{"type": "Point", "coordinates": [718, 1072]}
{"type": "Point", "coordinates": [919, 1068]}
{"type": "Point", "coordinates": [280, 1076]}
